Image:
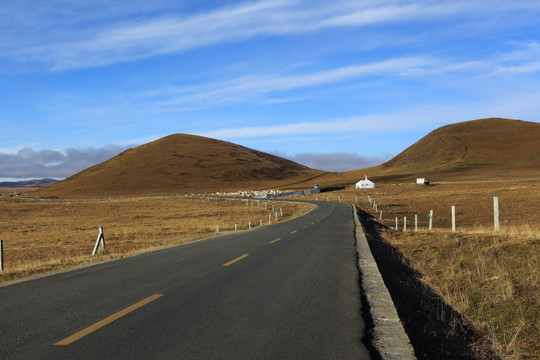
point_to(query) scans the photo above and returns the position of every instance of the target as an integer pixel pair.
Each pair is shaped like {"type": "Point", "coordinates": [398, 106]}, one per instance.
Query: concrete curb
{"type": "Point", "coordinates": [389, 337]}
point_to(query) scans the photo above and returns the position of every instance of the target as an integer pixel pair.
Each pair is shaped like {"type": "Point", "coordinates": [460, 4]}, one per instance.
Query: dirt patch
{"type": "Point", "coordinates": [435, 329]}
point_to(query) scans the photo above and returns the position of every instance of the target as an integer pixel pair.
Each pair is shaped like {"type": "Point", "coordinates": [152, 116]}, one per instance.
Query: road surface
{"type": "Point", "coordinates": [286, 291]}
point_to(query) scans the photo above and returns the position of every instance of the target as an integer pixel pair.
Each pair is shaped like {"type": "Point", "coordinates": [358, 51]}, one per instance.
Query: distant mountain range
{"type": "Point", "coordinates": [28, 183]}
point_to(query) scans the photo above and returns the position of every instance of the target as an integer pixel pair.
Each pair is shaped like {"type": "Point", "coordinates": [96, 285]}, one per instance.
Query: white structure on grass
{"type": "Point", "coordinates": [365, 184]}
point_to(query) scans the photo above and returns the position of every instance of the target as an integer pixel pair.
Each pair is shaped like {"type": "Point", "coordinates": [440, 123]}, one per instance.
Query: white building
{"type": "Point", "coordinates": [365, 184]}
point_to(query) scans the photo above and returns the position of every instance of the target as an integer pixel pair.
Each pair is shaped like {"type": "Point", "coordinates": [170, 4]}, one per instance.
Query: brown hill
{"type": "Point", "coordinates": [182, 164]}
{"type": "Point", "coordinates": [468, 148]}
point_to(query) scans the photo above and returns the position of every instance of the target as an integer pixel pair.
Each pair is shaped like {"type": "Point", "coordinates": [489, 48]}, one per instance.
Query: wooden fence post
{"type": "Point", "coordinates": [496, 212]}
{"type": "Point", "coordinates": [404, 223]}
{"type": "Point", "coordinates": [397, 226]}
{"type": "Point", "coordinates": [416, 222]}
{"type": "Point", "coordinates": [430, 220]}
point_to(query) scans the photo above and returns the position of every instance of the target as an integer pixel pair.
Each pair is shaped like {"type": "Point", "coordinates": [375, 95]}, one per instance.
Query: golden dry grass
{"type": "Point", "coordinates": [490, 277]}
{"type": "Point", "coordinates": [51, 235]}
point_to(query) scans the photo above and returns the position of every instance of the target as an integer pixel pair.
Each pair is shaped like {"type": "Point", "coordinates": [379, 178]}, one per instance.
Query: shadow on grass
{"type": "Point", "coordinates": [435, 329]}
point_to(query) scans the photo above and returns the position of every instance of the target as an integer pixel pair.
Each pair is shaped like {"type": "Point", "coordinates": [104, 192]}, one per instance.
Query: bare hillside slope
{"type": "Point", "coordinates": [182, 164]}
{"type": "Point", "coordinates": [472, 147]}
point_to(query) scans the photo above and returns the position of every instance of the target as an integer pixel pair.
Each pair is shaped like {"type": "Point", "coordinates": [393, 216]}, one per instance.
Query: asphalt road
{"type": "Point", "coordinates": [286, 291]}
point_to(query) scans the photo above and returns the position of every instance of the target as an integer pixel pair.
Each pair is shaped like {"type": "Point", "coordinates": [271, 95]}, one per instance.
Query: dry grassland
{"type": "Point", "coordinates": [491, 278]}
{"type": "Point", "coordinates": [52, 235]}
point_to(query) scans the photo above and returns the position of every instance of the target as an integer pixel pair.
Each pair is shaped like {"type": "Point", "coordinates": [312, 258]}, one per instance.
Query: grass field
{"type": "Point", "coordinates": [490, 277]}
{"type": "Point", "coordinates": [43, 236]}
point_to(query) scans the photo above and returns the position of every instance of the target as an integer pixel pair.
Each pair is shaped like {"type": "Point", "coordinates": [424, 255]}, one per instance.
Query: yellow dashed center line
{"type": "Point", "coordinates": [107, 320]}
{"type": "Point", "coordinates": [273, 241]}
{"type": "Point", "coordinates": [292, 232]}
{"type": "Point", "coordinates": [235, 260]}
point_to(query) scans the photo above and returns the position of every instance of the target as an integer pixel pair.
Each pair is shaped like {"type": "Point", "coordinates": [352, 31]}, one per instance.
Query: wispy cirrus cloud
{"type": "Point", "coordinates": [250, 87]}
{"type": "Point", "coordinates": [151, 31]}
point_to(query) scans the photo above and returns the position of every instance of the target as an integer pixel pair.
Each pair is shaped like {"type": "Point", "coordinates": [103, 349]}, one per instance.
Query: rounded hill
{"type": "Point", "coordinates": [182, 163]}
{"type": "Point", "coordinates": [468, 148]}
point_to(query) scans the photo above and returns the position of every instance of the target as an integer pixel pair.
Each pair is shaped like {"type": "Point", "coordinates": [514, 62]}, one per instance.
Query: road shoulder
{"type": "Point", "coordinates": [388, 335]}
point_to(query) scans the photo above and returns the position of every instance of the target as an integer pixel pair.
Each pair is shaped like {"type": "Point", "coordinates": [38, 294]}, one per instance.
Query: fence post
{"type": "Point", "coordinates": [416, 222]}
{"type": "Point", "coordinates": [249, 225]}
{"type": "Point", "coordinates": [269, 219]}
{"type": "Point", "coordinates": [100, 240]}
{"type": "Point", "coordinates": [404, 223]}
{"type": "Point", "coordinates": [235, 227]}
{"type": "Point", "coordinates": [430, 220]}
{"type": "Point", "coordinates": [380, 216]}
{"type": "Point", "coordinates": [496, 212]}
{"type": "Point", "coordinates": [397, 227]}
{"type": "Point", "coordinates": [1, 255]}
{"type": "Point", "coordinates": [217, 228]}
{"type": "Point", "coordinates": [281, 212]}
{"type": "Point", "coordinates": [453, 218]}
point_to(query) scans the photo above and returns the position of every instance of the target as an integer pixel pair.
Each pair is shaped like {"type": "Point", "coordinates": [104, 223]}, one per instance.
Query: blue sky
{"type": "Point", "coordinates": [336, 85]}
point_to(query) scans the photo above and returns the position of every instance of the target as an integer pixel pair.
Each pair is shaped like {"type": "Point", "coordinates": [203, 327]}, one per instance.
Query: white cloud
{"type": "Point", "coordinates": [416, 118]}
{"type": "Point", "coordinates": [30, 163]}
{"type": "Point", "coordinates": [250, 87]}
{"type": "Point", "coordinates": [99, 37]}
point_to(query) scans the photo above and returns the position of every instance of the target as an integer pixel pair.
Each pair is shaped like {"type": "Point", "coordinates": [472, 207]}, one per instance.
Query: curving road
{"type": "Point", "coordinates": [286, 291]}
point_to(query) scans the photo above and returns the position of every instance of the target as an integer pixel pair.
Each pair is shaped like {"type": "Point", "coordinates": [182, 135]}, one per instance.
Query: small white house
{"type": "Point", "coordinates": [365, 184]}
{"type": "Point", "coordinates": [420, 181]}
